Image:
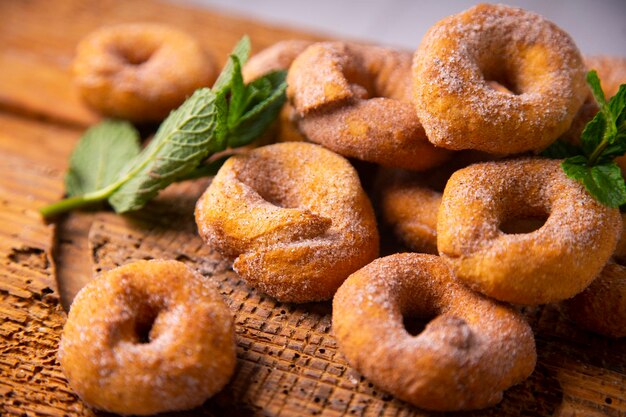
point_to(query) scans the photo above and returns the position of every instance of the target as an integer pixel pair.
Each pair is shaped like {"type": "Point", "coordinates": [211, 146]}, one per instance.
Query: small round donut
{"type": "Point", "coordinates": [140, 71]}
{"type": "Point", "coordinates": [409, 201]}
{"type": "Point", "coordinates": [549, 264]}
{"type": "Point", "coordinates": [533, 58]}
{"type": "Point", "coordinates": [601, 307]}
{"type": "Point", "coordinates": [356, 100]}
{"type": "Point", "coordinates": [294, 218]}
{"type": "Point", "coordinates": [148, 337]}
{"type": "Point", "coordinates": [472, 349]}
{"type": "Point", "coordinates": [278, 57]}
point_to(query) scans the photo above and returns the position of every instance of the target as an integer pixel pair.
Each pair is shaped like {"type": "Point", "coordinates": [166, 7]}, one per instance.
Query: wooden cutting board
{"type": "Point", "coordinates": [288, 363]}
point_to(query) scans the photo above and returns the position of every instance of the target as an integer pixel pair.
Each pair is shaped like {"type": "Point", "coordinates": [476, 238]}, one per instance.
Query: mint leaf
{"type": "Point", "coordinates": [560, 150]}
{"type": "Point", "coordinates": [238, 92]}
{"type": "Point", "coordinates": [186, 137]}
{"type": "Point", "coordinates": [241, 51]}
{"type": "Point", "coordinates": [593, 134]}
{"type": "Point", "coordinates": [594, 83]}
{"type": "Point", "coordinates": [604, 182]}
{"type": "Point", "coordinates": [100, 155]}
{"type": "Point", "coordinates": [261, 109]}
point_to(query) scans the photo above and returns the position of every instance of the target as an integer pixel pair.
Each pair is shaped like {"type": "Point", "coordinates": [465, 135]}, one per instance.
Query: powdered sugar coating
{"type": "Point", "coordinates": [293, 216]}
{"type": "Point", "coordinates": [531, 56]}
{"type": "Point", "coordinates": [356, 100]}
{"type": "Point", "coordinates": [472, 350]}
{"type": "Point", "coordinates": [549, 264]}
{"type": "Point", "coordinates": [190, 354]}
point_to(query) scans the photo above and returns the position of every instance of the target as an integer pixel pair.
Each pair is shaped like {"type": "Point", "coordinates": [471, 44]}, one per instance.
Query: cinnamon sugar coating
{"type": "Point", "coordinates": [189, 349]}
{"type": "Point", "coordinates": [294, 218]}
{"type": "Point", "coordinates": [141, 71]}
{"type": "Point", "coordinates": [533, 58]}
{"type": "Point", "coordinates": [356, 100]}
{"type": "Point", "coordinates": [409, 201]}
{"type": "Point", "coordinates": [471, 351]}
{"type": "Point", "coordinates": [549, 264]}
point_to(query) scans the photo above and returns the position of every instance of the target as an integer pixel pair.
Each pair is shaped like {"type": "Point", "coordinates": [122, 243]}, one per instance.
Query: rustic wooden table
{"type": "Point", "coordinates": [287, 359]}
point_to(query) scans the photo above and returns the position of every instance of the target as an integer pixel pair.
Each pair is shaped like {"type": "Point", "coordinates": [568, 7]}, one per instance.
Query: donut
{"type": "Point", "coordinates": [471, 350]}
{"type": "Point", "coordinates": [601, 307]}
{"type": "Point", "coordinates": [140, 71]}
{"type": "Point", "coordinates": [294, 218]}
{"type": "Point", "coordinates": [533, 58]}
{"type": "Point", "coordinates": [409, 201]}
{"type": "Point", "coordinates": [278, 57]}
{"type": "Point", "coordinates": [356, 100]}
{"type": "Point", "coordinates": [549, 264]}
{"type": "Point", "coordinates": [148, 337]}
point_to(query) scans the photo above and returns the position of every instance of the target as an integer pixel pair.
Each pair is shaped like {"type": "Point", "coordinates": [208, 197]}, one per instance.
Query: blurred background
{"type": "Point", "coordinates": [597, 26]}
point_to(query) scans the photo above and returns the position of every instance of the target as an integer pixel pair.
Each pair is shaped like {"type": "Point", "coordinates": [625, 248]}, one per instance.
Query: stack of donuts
{"type": "Point", "coordinates": [453, 132]}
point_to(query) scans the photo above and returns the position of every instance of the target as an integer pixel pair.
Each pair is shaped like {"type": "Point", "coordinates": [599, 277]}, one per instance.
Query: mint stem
{"type": "Point", "coordinates": [72, 203]}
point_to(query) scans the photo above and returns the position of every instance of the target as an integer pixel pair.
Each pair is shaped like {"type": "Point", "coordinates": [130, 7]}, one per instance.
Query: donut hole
{"type": "Point", "coordinates": [523, 224]}
{"type": "Point", "coordinates": [144, 324]}
{"type": "Point", "coordinates": [414, 324]}
{"type": "Point", "coordinates": [500, 78]}
{"type": "Point", "coordinates": [133, 54]}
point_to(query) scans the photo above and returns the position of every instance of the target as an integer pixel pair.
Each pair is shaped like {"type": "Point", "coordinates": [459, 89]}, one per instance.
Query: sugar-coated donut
{"type": "Point", "coordinates": [468, 354]}
{"type": "Point", "coordinates": [408, 201]}
{"type": "Point", "coordinates": [293, 216]}
{"type": "Point", "coordinates": [148, 337]}
{"type": "Point", "coordinates": [537, 61]}
{"type": "Point", "coordinates": [140, 71]}
{"type": "Point", "coordinates": [550, 264]}
{"type": "Point", "coordinates": [601, 307]}
{"type": "Point", "coordinates": [356, 100]}
{"type": "Point", "coordinates": [278, 57]}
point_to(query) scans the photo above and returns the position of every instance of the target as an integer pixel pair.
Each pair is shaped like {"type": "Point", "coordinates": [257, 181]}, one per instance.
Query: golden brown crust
{"type": "Point", "coordinates": [552, 263]}
{"type": "Point", "coordinates": [190, 354]}
{"type": "Point", "coordinates": [470, 352]}
{"type": "Point", "coordinates": [528, 54]}
{"type": "Point", "coordinates": [140, 71]}
{"type": "Point", "coordinates": [601, 307]}
{"type": "Point", "coordinates": [276, 57]}
{"type": "Point", "coordinates": [355, 100]}
{"type": "Point", "coordinates": [293, 216]}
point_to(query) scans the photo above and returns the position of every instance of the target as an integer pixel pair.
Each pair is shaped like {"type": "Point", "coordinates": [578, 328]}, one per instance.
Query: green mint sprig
{"type": "Point", "coordinates": [602, 140]}
{"type": "Point", "coordinates": [108, 165]}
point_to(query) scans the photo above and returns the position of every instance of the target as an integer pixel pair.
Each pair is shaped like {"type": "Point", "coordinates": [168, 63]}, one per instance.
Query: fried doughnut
{"type": "Point", "coordinates": [141, 71]}
{"type": "Point", "coordinates": [409, 201]}
{"type": "Point", "coordinates": [467, 355]}
{"type": "Point", "coordinates": [330, 85]}
{"type": "Point", "coordinates": [550, 264]}
{"type": "Point", "coordinates": [278, 57]}
{"type": "Point", "coordinates": [293, 216]}
{"type": "Point", "coordinates": [529, 55]}
{"type": "Point", "coordinates": [601, 307]}
{"type": "Point", "coordinates": [148, 337]}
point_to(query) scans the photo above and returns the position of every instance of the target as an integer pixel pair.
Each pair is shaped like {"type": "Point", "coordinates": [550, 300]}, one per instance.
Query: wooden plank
{"type": "Point", "coordinates": [288, 363]}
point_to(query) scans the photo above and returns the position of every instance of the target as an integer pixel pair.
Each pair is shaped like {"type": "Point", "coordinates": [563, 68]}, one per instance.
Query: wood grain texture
{"type": "Point", "coordinates": [288, 364]}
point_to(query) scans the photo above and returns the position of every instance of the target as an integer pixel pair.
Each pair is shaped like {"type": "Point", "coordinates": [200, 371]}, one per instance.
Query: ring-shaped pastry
{"type": "Point", "coordinates": [471, 351]}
